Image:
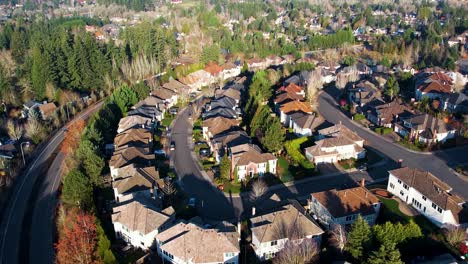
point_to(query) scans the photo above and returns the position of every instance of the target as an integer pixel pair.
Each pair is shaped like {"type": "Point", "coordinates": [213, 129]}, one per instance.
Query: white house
{"type": "Point", "coordinates": [303, 124]}
{"type": "Point", "coordinates": [343, 206]}
{"type": "Point", "coordinates": [189, 243]}
{"type": "Point", "coordinates": [336, 143]}
{"type": "Point", "coordinates": [290, 223]}
{"type": "Point", "coordinates": [249, 160]}
{"type": "Point", "coordinates": [429, 196]}
{"type": "Point", "coordinates": [230, 70]}
{"type": "Point", "coordinates": [138, 222]}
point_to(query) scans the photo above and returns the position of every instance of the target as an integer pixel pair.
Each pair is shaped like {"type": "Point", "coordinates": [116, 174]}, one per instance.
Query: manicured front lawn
{"type": "Point", "coordinates": [167, 120]}
{"type": "Point", "coordinates": [283, 170]}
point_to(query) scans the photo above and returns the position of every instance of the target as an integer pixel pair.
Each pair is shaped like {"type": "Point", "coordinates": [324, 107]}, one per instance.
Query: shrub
{"type": "Point", "coordinates": [358, 117]}
{"type": "Point", "coordinates": [383, 130]}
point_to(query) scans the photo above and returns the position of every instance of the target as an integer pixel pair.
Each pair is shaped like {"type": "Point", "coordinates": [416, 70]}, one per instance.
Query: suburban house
{"type": "Point", "coordinates": [214, 69]}
{"type": "Point", "coordinates": [257, 64]}
{"type": "Point", "coordinates": [232, 93]}
{"type": "Point", "coordinates": [336, 143]}
{"type": "Point", "coordinates": [217, 125]}
{"type": "Point", "coordinates": [291, 88]}
{"type": "Point", "coordinates": [46, 110]}
{"type": "Point", "coordinates": [134, 121]}
{"type": "Point", "coordinates": [197, 80]}
{"type": "Point", "coordinates": [343, 206]}
{"type": "Point", "coordinates": [287, 97]}
{"type": "Point", "coordinates": [331, 66]}
{"type": "Point", "coordinates": [433, 85]}
{"type": "Point", "coordinates": [221, 102]}
{"type": "Point", "coordinates": [364, 94]}
{"type": "Point", "coordinates": [221, 141]}
{"type": "Point", "coordinates": [456, 103]}
{"type": "Point", "coordinates": [289, 223]}
{"type": "Point", "coordinates": [150, 101]}
{"type": "Point", "coordinates": [134, 137]}
{"type": "Point", "coordinates": [191, 243]}
{"type": "Point", "coordinates": [132, 181]}
{"type": "Point", "coordinates": [248, 160]}
{"type": "Point", "coordinates": [230, 70]}
{"type": "Point", "coordinates": [299, 79]}
{"type": "Point", "coordinates": [304, 124]}
{"type": "Point", "coordinates": [425, 128]}
{"type": "Point", "coordinates": [287, 109]}
{"type": "Point", "coordinates": [29, 106]}
{"type": "Point", "coordinates": [168, 96]}
{"type": "Point", "coordinates": [178, 87]}
{"type": "Point", "coordinates": [363, 69]}
{"type": "Point", "coordinates": [138, 223]}
{"type": "Point", "coordinates": [148, 111]}
{"type": "Point", "coordinates": [141, 156]}
{"type": "Point", "coordinates": [222, 112]}
{"type": "Point", "coordinates": [386, 114]}
{"type": "Point", "coordinates": [429, 196]}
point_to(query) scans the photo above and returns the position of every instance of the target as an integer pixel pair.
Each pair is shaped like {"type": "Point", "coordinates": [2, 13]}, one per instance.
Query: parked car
{"type": "Point", "coordinates": [174, 110]}
{"type": "Point", "coordinates": [160, 152]}
{"type": "Point", "coordinates": [192, 202]}
{"type": "Point", "coordinates": [198, 143]}
{"type": "Point", "coordinates": [172, 146]}
{"type": "Point", "coordinates": [205, 152]}
{"type": "Point", "coordinates": [193, 95]}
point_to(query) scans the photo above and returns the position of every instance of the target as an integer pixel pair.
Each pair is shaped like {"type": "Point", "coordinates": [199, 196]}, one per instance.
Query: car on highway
{"type": "Point", "coordinates": [172, 146]}
{"type": "Point", "coordinates": [192, 202]}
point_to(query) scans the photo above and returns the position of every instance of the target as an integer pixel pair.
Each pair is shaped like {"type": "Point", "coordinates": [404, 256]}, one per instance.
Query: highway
{"type": "Point", "coordinates": [28, 221]}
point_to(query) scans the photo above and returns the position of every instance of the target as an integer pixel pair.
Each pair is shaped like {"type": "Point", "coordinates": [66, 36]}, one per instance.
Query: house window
{"type": "Point", "coordinates": [424, 198]}
{"type": "Point", "coordinates": [405, 186]}
{"type": "Point", "coordinates": [274, 243]}
{"type": "Point", "coordinates": [392, 186]}
{"type": "Point", "coordinates": [402, 193]}
{"type": "Point", "coordinates": [229, 254]}
{"type": "Point", "coordinates": [349, 217]}
{"type": "Point", "coordinates": [399, 181]}
{"type": "Point", "coordinates": [439, 210]}
{"type": "Point", "coordinates": [434, 205]}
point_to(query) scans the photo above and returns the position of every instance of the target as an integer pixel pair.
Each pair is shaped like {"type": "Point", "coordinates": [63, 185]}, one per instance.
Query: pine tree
{"type": "Point", "coordinates": [274, 136]}
{"type": "Point", "coordinates": [358, 238]}
{"type": "Point", "coordinates": [77, 190]}
{"type": "Point", "coordinates": [386, 254]}
{"type": "Point", "coordinates": [225, 167]}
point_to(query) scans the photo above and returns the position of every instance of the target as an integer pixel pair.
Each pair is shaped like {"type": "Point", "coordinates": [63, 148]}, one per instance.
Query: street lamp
{"type": "Point", "coordinates": [22, 153]}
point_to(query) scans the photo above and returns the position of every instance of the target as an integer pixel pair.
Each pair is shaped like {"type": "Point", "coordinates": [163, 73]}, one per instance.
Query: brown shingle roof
{"type": "Point", "coordinates": [176, 86]}
{"type": "Point", "coordinates": [437, 82]}
{"type": "Point", "coordinates": [433, 188]}
{"type": "Point", "coordinates": [144, 219]}
{"type": "Point", "coordinates": [306, 120]}
{"type": "Point", "coordinates": [194, 244]}
{"type": "Point", "coordinates": [140, 137]}
{"type": "Point", "coordinates": [213, 69]}
{"type": "Point", "coordinates": [296, 106]}
{"type": "Point", "coordinates": [132, 122]}
{"type": "Point", "coordinates": [291, 88]}
{"type": "Point", "coordinates": [288, 97]}
{"type": "Point", "coordinates": [217, 125]}
{"type": "Point", "coordinates": [163, 93]}
{"type": "Point", "coordinates": [47, 109]}
{"type": "Point", "coordinates": [340, 130]}
{"type": "Point", "coordinates": [232, 93]}
{"type": "Point", "coordinates": [247, 153]}
{"type": "Point", "coordinates": [139, 179]}
{"type": "Point", "coordinates": [131, 155]}
{"type": "Point", "coordinates": [289, 221]}
{"type": "Point", "coordinates": [346, 202]}
{"type": "Point", "coordinates": [389, 111]}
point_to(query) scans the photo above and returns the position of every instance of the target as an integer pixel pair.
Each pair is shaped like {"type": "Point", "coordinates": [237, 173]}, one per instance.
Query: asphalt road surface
{"type": "Point", "coordinates": [28, 221]}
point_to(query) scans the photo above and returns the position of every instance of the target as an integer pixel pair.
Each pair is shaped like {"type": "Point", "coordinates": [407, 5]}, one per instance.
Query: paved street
{"type": "Point", "coordinates": [27, 224]}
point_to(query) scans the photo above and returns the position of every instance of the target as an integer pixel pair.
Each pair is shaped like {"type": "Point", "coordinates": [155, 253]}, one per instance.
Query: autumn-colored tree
{"type": "Point", "coordinates": [72, 136]}
{"type": "Point", "coordinates": [77, 242]}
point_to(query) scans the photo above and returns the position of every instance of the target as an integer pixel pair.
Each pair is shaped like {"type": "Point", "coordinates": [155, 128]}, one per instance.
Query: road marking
{"type": "Point", "coordinates": [10, 213]}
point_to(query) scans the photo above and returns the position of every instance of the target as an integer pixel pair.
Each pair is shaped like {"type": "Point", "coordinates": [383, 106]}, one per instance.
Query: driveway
{"type": "Point", "coordinates": [436, 162]}
{"type": "Point", "coordinates": [28, 222]}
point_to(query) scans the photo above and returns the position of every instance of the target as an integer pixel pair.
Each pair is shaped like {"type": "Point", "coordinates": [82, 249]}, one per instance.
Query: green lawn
{"type": "Point", "coordinates": [284, 173]}
{"type": "Point", "coordinates": [232, 186]}
{"type": "Point", "coordinates": [167, 120]}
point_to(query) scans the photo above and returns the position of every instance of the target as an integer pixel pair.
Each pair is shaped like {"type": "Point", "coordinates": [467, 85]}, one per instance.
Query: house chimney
{"type": "Point", "coordinates": [253, 211]}
{"type": "Point", "coordinates": [363, 182]}
{"type": "Point", "coordinates": [345, 193]}
{"type": "Point", "coordinates": [239, 228]}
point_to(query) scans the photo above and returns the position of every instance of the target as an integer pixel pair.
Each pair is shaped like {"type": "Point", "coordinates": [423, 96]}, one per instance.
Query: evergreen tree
{"type": "Point", "coordinates": [77, 190]}
{"type": "Point", "coordinates": [392, 87]}
{"type": "Point", "coordinates": [274, 136]}
{"type": "Point", "coordinates": [386, 254]}
{"type": "Point", "coordinates": [225, 167]}
{"type": "Point", "coordinates": [358, 238]}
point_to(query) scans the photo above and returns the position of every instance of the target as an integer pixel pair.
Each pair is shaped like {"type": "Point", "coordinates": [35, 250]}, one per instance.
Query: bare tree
{"type": "Point", "coordinates": [259, 188]}
{"type": "Point", "coordinates": [34, 130]}
{"type": "Point", "coordinates": [455, 235]}
{"type": "Point", "coordinates": [169, 187]}
{"type": "Point", "coordinates": [298, 253]}
{"type": "Point", "coordinates": [343, 78]}
{"type": "Point", "coordinates": [15, 131]}
{"type": "Point", "coordinates": [314, 84]}
{"type": "Point", "coordinates": [338, 237]}
{"type": "Point", "coordinates": [459, 83]}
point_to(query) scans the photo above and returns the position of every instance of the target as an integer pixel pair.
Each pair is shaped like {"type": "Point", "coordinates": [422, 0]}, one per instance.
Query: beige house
{"type": "Point", "coordinates": [248, 160]}
{"type": "Point", "coordinates": [336, 143]}
{"type": "Point", "coordinates": [290, 223]}
{"type": "Point", "coordinates": [138, 223]}
{"type": "Point", "coordinates": [134, 121]}
{"type": "Point", "coordinates": [190, 243]}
